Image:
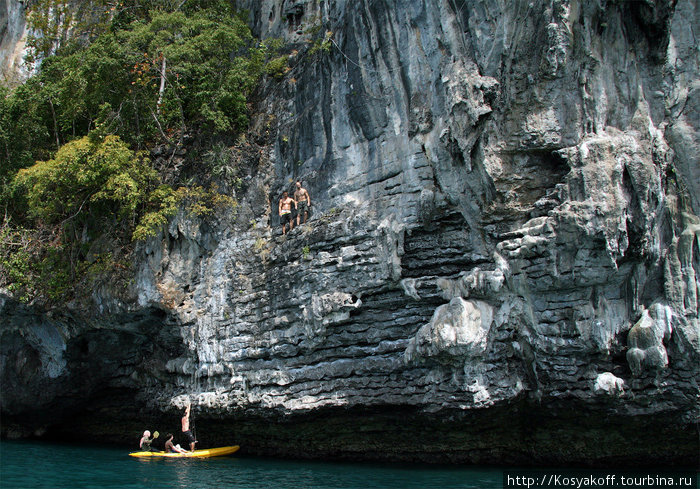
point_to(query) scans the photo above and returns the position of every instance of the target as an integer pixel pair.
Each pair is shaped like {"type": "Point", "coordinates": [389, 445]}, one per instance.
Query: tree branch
{"type": "Point", "coordinates": [162, 85]}
{"type": "Point", "coordinates": [55, 124]}
{"type": "Point", "coordinates": [160, 128]}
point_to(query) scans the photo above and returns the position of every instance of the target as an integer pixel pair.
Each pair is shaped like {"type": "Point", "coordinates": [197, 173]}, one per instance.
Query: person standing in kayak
{"type": "Point", "coordinates": [186, 428]}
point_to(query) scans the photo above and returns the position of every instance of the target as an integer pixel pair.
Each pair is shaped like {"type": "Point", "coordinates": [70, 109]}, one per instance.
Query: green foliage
{"type": "Point", "coordinates": [322, 46]}
{"type": "Point", "coordinates": [15, 260]}
{"type": "Point", "coordinates": [95, 192]}
{"type": "Point", "coordinates": [54, 23]}
{"type": "Point", "coordinates": [33, 266]}
{"type": "Point", "coordinates": [78, 203]}
{"type": "Point", "coordinates": [143, 71]}
{"type": "Point", "coordinates": [278, 67]}
{"type": "Point", "coordinates": [116, 78]}
{"type": "Point", "coordinates": [29, 267]}
{"type": "Point", "coordinates": [209, 68]}
{"type": "Point", "coordinates": [222, 162]}
{"type": "Point", "coordinates": [55, 273]}
{"type": "Point", "coordinates": [162, 202]}
{"type": "Point", "coordinates": [203, 202]}
{"type": "Point", "coordinates": [24, 133]}
{"type": "Point", "coordinates": [84, 178]}
{"type": "Point", "coordinates": [92, 179]}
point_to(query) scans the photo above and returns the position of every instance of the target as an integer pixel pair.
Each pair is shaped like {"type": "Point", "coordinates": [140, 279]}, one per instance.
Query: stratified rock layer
{"type": "Point", "coordinates": [501, 263]}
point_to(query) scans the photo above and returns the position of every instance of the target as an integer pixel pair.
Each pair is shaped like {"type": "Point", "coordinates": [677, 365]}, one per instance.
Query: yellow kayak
{"type": "Point", "coordinates": [206, 453]}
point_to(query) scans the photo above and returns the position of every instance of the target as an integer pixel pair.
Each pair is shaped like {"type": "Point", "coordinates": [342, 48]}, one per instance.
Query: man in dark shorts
{"type": "Point", "coordinates": [186, 429]}
{"type": "Point", "coordinates": [303, 201]}
{"type": "Point", "coordinates": [285, 211]}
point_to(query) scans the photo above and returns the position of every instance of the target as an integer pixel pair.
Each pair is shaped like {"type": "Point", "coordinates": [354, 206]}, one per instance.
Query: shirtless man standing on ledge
{"type": "Point", "coordinates": [285, 211]}
{"type": "Point", "coordinates": [303, 200]}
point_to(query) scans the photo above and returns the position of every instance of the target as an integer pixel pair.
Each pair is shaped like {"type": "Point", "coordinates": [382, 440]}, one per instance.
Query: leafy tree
{"type": "Point", "coordinates": [80, 202]}
{"type": "Point", "coordinates": [195, 69]}
{"type": "Point", "coordinates": [84, 206]}
{"type": "Point", "coordinates": [85, 177]}
{"type": "Point", "coordinates": [162, 74]}
{"type": "Point", "coordinates": [24, 133]}
{"type": "Point", "coordinates": [79, 205]}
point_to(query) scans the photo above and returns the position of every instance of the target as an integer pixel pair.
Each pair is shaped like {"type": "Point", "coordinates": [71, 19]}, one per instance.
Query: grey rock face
{"type": "Point", "coordinates": [607, 384]}
{"type": "Point", "coordinates": [458, 329]}
{"type": "Point", "coordinates": [504, 233]}
{"type": "Point", "coordinates": [12, 42]}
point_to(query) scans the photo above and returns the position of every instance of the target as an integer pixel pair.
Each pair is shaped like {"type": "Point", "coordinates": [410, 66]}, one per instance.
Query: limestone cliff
{"type": "Point", "coordinates": [502, 263]}
{"type": "Point", "coordinates": [12, 42]}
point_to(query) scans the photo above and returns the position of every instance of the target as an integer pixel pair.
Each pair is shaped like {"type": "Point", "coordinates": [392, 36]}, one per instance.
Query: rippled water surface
{"type": "Point", "coordinates": [43, 465]}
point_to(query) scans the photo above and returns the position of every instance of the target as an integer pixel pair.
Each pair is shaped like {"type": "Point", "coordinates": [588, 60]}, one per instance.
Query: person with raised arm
{"type": "Point", "coordinates": [186, 428]}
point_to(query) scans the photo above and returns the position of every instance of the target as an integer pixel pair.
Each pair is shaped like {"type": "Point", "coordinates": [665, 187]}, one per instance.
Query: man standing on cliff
{"type": "Point", "coordinates": [285, 211]}
{"type": "Point", "coordinates": [303, 200]}
{"type": "Point", "coordinates": [186, 428]}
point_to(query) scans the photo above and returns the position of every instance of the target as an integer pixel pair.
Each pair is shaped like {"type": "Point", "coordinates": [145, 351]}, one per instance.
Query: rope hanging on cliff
{"type": "Point", "coordinates": [390, 70]}
{"type": "Point", "coordinates": [191, 413]}
{"type": "Point", "coordinates": [457, 12]}
{"type": "Point", "coordinates": [192, 426]}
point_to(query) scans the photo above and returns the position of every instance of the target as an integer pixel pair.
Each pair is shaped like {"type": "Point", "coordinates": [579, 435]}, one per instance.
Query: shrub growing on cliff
{"type": "Point", "coordinates": [98, 183]}
{"type": "Point", "coordinates": [80, 205]}
{"type": "Point", "coordinates": [84, 207]}
{"type": "Point", "coordinates": [165, 201]}
{"type": "Point", "coordinates": [86, 179]}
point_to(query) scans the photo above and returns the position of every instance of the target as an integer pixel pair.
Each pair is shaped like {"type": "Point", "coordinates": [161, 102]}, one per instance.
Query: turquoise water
{"type": "Point", "coordinates": [42, 465]}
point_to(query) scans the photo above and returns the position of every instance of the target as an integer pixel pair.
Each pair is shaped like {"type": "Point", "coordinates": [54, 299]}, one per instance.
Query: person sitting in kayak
{"type": "Point", "coordinates": [186, 429]}
{"type": "Point", "coordinates": [170, 448]}
{"type": "Point", "coordinates": [146, 440]}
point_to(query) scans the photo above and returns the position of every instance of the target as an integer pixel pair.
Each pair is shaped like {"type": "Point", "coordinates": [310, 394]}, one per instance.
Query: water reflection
{"type": "Point", "coordinates": [37, 465]}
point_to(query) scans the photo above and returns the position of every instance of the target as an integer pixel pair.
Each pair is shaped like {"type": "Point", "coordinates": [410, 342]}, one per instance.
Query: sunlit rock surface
{"type": "Point", "coordinates": [13, 34]}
